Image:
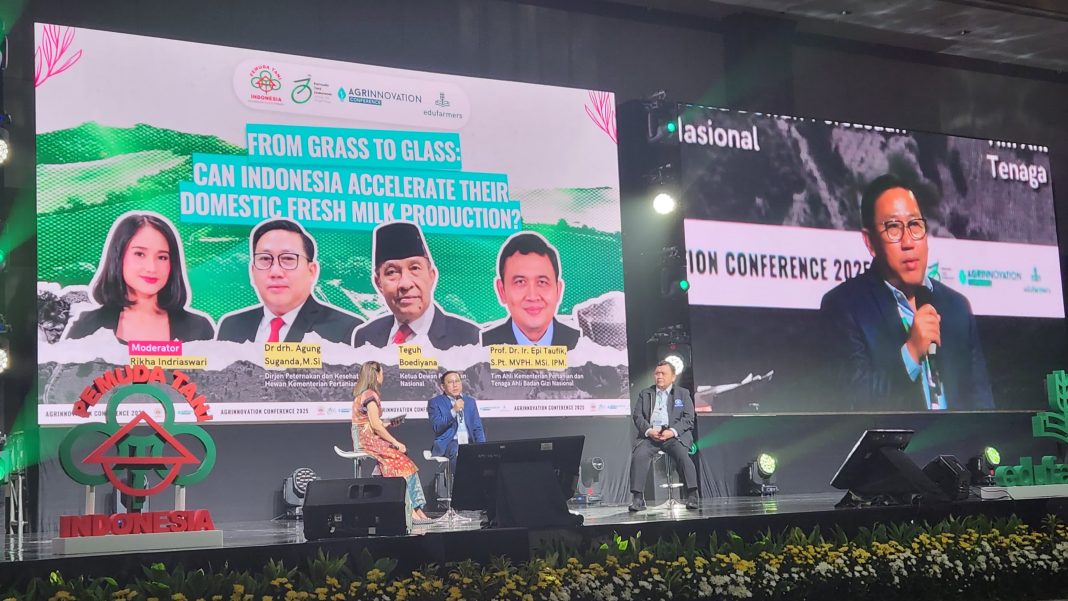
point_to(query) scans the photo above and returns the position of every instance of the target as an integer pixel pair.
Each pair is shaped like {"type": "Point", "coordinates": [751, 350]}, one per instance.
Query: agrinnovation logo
{"type": "Point", "coordinates": [375, 96]}
{"type": "Point", "coordinates": [986, 277]}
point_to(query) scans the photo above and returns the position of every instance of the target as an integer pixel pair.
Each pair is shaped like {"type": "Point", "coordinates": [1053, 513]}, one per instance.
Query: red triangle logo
{"type": "Point", "coordinates": [98, 455]}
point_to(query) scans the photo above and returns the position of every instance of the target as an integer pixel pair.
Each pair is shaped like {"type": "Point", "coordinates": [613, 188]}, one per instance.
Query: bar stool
{"type": "Point", "coordinates": [450, 516]}
{"type": "Point", "coordinates": [356, 455]}
{"type": "Point", "coordinates": [672, 503]}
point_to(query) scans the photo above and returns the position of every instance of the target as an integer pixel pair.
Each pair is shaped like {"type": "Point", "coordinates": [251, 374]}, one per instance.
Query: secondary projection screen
{"type": "Point", "coordinates": [773, 235]}
{"type": "Point", "coordinates": [157, 160]}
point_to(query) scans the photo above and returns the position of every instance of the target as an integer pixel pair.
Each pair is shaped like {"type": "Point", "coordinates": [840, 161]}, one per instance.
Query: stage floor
{"type": "Point", "coordinates": [37, 547]}
{"type": "Point", "coordinates": [249, 545]}
{"type": "Point", "coordinates": [33, 546]}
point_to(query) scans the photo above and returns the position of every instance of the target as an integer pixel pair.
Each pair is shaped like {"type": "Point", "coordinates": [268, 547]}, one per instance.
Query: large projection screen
{"type": "Point", "coordinates": [156, 159]}
{"type": "Point", "coordinates": [773, 236]}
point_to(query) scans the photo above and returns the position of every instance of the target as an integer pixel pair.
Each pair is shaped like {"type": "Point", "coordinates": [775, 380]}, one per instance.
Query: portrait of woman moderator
{"type": "Point", "coordinates": [370, 433]}
{"type": "Point", "coordinates": [140, 286]}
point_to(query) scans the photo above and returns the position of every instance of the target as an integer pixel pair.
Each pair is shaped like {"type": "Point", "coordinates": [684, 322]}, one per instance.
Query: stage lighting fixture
{"type": "Point", "coordinates": [671, 344]}
{"type": "Point", "coordinates": [766, 465]}
{"type": "Point", "coordinates": [673, 282]}
{"type": "Point", "coordinates": [757, 478]}
{"type": "Point", "coordinates": [664, 203]}
{"type": "Point", "coordinates": [662, 116]}
{"type": "Point", "coordinates": [677, 362]}
{"type": "Point", "coordinates": [5, 145]}
{"type": "Point", "coordinates": [982, 466]}
{"type": "Point", "coordinates": [294, 489]}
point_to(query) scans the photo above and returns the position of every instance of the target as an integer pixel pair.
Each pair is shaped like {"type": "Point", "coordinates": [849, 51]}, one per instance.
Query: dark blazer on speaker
{"type": "Point", "coordinates": [329, 323]}
{"type": "Point", "coordinates": [443, 422]}
{"type": "Point", "coordinates": [680, 413]}
{"type": "Point", "coordinates": [185, 326]}
{"type": "Point", "coordinates": [864, 337]}
{"type": "Point", "coordinates": [446, 331]}
{"type": "Point", "coordinates": [503, 334]}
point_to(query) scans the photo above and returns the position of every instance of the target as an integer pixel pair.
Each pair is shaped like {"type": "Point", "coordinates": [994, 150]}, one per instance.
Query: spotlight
{"type": "Point", "coordinates": [757, 478]}
{"type": "Point", "coordinates": [293, 490]}
{"type": "Point", "coordinates": [766, 465]}
{"type": "Point", "coordinates": [677, 362]}
{"type": "Point", "coordinates": [664, 203]}
{"type": "Point", "coordinates": [983, 465]}
{"type": "Point", "coordinates": [671, 344]}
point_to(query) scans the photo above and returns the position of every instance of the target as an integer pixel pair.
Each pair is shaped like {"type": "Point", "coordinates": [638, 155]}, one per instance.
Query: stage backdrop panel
{"type": "Point", "coordinates": [773, 224]}
{"type": "Point", "coordinates": [156, 159]}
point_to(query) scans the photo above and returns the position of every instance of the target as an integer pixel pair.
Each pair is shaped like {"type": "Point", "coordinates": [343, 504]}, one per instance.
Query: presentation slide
{"type": "Point", "coordinates": [794, 290]}
{"type": "Point", "coordinates": [263, 224]}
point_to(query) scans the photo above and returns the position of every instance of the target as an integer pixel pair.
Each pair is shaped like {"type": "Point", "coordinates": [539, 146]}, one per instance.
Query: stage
{"type": "Point", "coordinates": [249, 545]}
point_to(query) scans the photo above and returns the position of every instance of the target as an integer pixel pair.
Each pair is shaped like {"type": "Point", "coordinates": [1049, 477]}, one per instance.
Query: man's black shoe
{"type": "Point", "coordinates": [692, 500]}
{"type": "Point", "coordinates": [637, 503]}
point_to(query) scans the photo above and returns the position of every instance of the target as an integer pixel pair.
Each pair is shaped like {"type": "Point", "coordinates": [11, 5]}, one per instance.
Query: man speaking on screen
{"type": "Point", "coordinates": [529, 286]}
{"type": "Point", "coordinates": [405, 276]}
{"type": "Point", "coordinates": [902, 341]}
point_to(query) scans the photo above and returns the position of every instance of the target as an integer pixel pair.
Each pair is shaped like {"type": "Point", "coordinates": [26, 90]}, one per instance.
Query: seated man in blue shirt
{"type": "Point", "coordinates": [454, 418]}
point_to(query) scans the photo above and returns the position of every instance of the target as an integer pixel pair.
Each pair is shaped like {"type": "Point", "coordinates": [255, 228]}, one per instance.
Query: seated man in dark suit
{"type": "Point", "coordinates": [902, 341]}
{"type": "Point", "coordinates": [405, 276]}
{"type": "Point", "coordinates": [283, 272]}
{"type": "Point", "coordinates": [530, 287]}
{"type": "Point", "coordinates": [453, 418]}
{"type": "Point", "coordinates": [664, 417]}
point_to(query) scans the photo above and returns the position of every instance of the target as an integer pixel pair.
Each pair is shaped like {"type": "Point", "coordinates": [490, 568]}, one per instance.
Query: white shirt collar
{"type": "Point", "coordinates": [419, 325]}
{"type": "Point", "coordinates": [264, 331]}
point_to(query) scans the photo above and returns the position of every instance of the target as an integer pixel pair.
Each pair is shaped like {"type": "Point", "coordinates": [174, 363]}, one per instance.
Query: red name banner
{"type": "Point", "coordinates": [74, 526]}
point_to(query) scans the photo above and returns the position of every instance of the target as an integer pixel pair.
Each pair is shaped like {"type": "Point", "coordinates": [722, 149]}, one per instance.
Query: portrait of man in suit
{"type": "Point", "coordinates": [530, 287]}
{"type": "Point", "coordinates": [405, 277]}
{"type": "Point", "coordinates": [900, 340]}
{"type": "Point", "coordinates": [283, 271]}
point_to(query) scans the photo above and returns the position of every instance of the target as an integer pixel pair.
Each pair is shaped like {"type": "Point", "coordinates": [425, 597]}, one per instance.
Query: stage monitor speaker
{"type": "Point", "coordinates": [950, 475]}
{"type": "Point", "coordinates": [357, 507]}
{"type": "Point", "coordinates": [878, 472]}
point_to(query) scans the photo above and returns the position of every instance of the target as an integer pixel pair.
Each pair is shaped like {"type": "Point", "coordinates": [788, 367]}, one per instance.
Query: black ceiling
{"type": "Point", "coordinates": [1031, 33]}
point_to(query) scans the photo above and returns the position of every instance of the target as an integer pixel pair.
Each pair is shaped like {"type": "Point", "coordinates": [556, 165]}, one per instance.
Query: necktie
{"type": "Point", "coordinates": [403, 333]}
{"type": "Point", "coordinates": [276, 327]}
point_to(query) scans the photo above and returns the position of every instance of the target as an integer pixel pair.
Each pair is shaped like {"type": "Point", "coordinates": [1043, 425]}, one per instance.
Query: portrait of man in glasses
{"type": "Point", "coordinates": [283, 270]}
{"type": "Point", "coordinates": [901, 340]}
